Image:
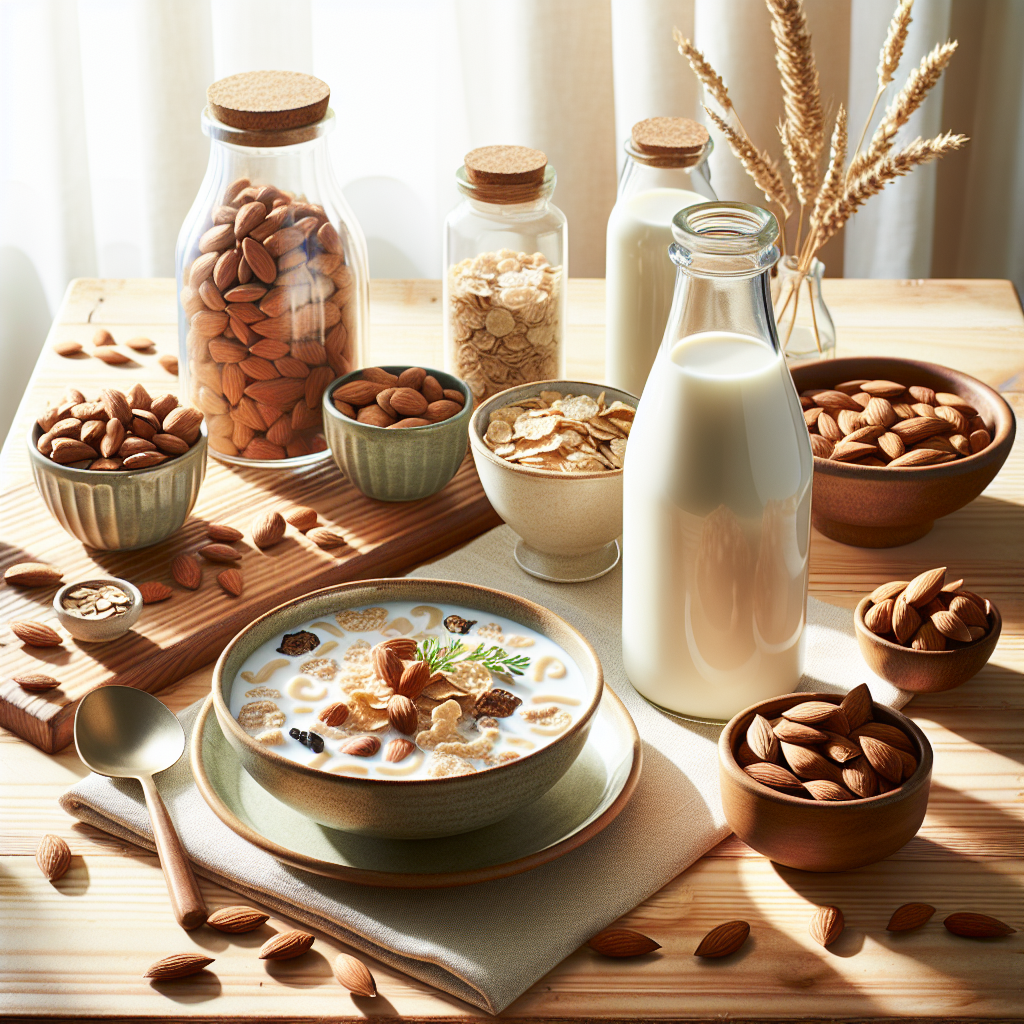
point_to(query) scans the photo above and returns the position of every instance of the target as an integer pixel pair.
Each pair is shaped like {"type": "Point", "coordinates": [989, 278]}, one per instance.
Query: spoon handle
{"type": "Point", "coordinates": [186, 900]}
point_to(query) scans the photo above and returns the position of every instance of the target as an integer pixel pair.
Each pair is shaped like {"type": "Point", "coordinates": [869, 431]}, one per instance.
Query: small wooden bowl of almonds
{"type": "Point", "coordinates": [897, 444]}
{"type": "Point", "coordinates": [926, 635]}
{"type": "Point", "coordinates": [823, 782]}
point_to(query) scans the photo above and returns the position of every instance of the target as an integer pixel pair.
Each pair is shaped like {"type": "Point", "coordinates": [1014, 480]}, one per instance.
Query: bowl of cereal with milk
{"type": "Point", "coordinates": [549, 456]}
{"type": "Point", "coordinates": [407, 708]}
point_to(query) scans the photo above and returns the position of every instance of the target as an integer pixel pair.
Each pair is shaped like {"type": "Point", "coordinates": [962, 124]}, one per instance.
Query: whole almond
{"type": "Point", "coordinates": [956, 402]}
{"type": "Point", "coordinates": [358, 392]}
{"type": "Point", "coordinates": [828, 428]}
{"type": "Point", "coordinates": [102, 337]}
{"type": "Point", "coordinates": [53, 857]}
{"type": "Point", "coordinates": [922, 394]}
{"type": "Point", "coordinates": [35, 634]}
{"type": "Point", "coordinates": [187, 572]}
{"type": "Point", "coordinates": [286, 945]}
{"type": "Point", "coordinates": [360, 746]}
{"type": "Point", "coordinates": [856, 705]}
{"type": "Point", "coordinates": [968, 612]}
{"type": "Point", "coordinates": [143, 460]}
{"type": "Point", "coordinates": [387, 665]}
{"type": "Point", "coordinates": [183, 422]}
{"type": "Point", "coordinates": [840, 748]}
{"type": "Point", "coordinates": [762, 740]}
{"type": "Point", "coordinates": [811, 712]}
{"type": "Point", "coordinates": [409, 421]}
{"type": "Point", "coordinates": [847, 451]}
{"type": "Point", "coordinates": [827, 925]}
{"type": "Point", "coordinates": [774, 776]}
{"type": "Point", "coordinates": [431, 388]}
{"type": "Point", "coordinates": [140, 344]}
{"type": "Point", "coordinates": [67, 348]}
{"type": "Point", "coordinates": [949, 624]}
{"type": "Point", "coordinates": [379, 375]}
{"type": "Point", "coordinates": [884, 759]}
{"type": "Point", "coordinates": [892, 445]}
{"type": "Point", "coordinates": [909, 917]}
{"type": "Point", "coordinates": [415, 676]}
{"type": "Point", "coordinates": [375, 416]}
{"type": "Point", "coordinates": [878, 618]}
{"type": "Point", "coordinates": [622, 942]}
{"type": "Point", "coordinates": [262, 263]}
{"type": "Point", "coordinates": [860, 778]}
{"type": "Point", "coordinates": [223, 553]}
{"type": "Point", "coordinates": [247, 217]}
{"type": "Point", "coordinates": [821, 447]}
{"type": "Point", "coordinates": [824, 789]}
{"type": "Point", "coordinates": [398, 749]}
{"type": "Point", "coordinates": [354, 975]}
{"type": "Point", "coordinates": [113, 438]}
{"type": "Point", "coordinates": [334, 714]}
{"type": "Point", "coordinates": [980, 440]}
{"type": "Point", "coordinates": [905, 620]}
{"type": "Point", "coordinates": [454, 395]}
{"type": "Point", "coordinates": [402, 714]}
{"type": "Point", "coordinates": [921, 589]}
{"type": "Point", "coordinates": [133, 445]}
{"type": "Point", "coordinates": [301, 517]}
{"type": "Point", "coordinates": [222, 532]}
{"type": "Point", "coordinates": [67, 450]}
{"type": "Point", "coordinates": [231, 582]}
{"type": "Point", "coordinates": [809, 764]}
{"type": "Point", "coordinates": [886, 733]}
{"type": "Point", "coordinates": [112, 357]}
{"type": "Point", "coordinates": [32, 574]}
{"type": "Point", "coordinates": [326, 537]}
{"type": "Point", "coordinates": [36, 683]}
{"type": "Point", "coordinates": [153, 592]}
{"type": "Point", "coordinates": [928, 638]}
{"type": "Point", "coordinates": [723, 939]}
{"type": "Point", "coordinates": [835, 400]}
{"type": "Point", "coordinates": [178, 965]}
{"type": "Point", "coordinates": [268, 529]}
{"type": "Point", "coordinates": [237, 919]}
{"type": "Point", "coordinates": [977, 926]}
{"type": "Point", "coordinates": [413, 378]}
{"type": "Point", "coordinates": [407, 402]}
{"type": "Point", "coordinates": [797, 732]}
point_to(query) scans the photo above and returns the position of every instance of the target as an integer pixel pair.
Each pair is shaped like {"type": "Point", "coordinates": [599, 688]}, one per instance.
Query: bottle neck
{"type": "Point", "coordinates": [642, 173]}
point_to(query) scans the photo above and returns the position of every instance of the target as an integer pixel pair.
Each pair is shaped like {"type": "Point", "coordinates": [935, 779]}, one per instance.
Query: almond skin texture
{"type": "Point", "coordinates": [810, 712]}
{"type": "Point", "coordinates": [797, 732]}
{"type": "Point", "coordinates": [856, 706]}
{"type": "Point", "coordinates": [823, 789]}
{"type": "Point", "coordinates": [231, 582]}
{"type": "Point", "coordinates": [724, 939]}
{"type": "Point", "coordinates": [325, 537]}
{"type": "Point", "coordinates": [886, 733]}
{"type": "Point", "coordinates": [884, 759]}
{"type": "Point", "coordinates": [301, 517]}
{"type": "Point", "coordinates": [286, 945]}
{"type": "Point", "coordinates": [53, 856]}
{"type": "Point", "coordinates": [268, 529]}
{"type": "Point", "coordinates": [809, 764]}
{"type": "Point", "coordinates": [827, 925]}
{"type": "Point", "coordinates": [361, 746]}
{"type": "Point", "coordinates": [186, 571]}
{"type": "Point", "coordinates": [977, 926]}
{"type": "Point", "coordinates": [622, 942]}
{"type": "Point", "coordinates": [178, 965]}
{"type": "Point", "coordinates": [909, 917]}
{"type": "Point", "coordinates": [220, 553]}
{"type": "Point", "coordinates": [354, 975]}
{"type": "Point", "coordinates": [153, 592]}
{"type": "Point", "coordinates": [761, 740]}
{"type": "Point", "coordinates": [334, 714]}
{"type": "Point", "coordinates": [36, 683]}
{"type": "Point", "coordinates": [860, 778]}
{"type": "Point", "coordinates": [35, 634]}
{"type": "Point", "coordinates": [921, 589]}
{"type": "Point", "coordinates": [225, 534]}
{"type": "Point", "coordinates": [387, 665]}
{"type": "Point", "coordinates": [398, 750]}
{"type": "Point", "coordinates": [402, 714]}
{"type": "Point", "coordinates": [32, 574]}
{"type": "Point", "coordinates": [775, 776]}
{"type": "Point", "coordinates": [414, 678]}
{"type": "Point", "coordinates": [236, 920]}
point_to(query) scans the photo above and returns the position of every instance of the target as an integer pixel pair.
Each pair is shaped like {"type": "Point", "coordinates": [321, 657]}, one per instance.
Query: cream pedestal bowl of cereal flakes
{"type": "Point", "coordinates": [568, 522]}
{"type": "Point", "coordinates": [408, 808]}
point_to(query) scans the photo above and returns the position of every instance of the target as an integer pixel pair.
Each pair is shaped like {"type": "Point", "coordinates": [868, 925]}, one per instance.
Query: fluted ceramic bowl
{"type": "Point", "coordinates": [407, 808]}
{"type": "Point", "coordinates": [568, 523]}
{"type": "Point", "coordinates": [120, 510]}
{"type": "Point", "coordinates": [398, 465]}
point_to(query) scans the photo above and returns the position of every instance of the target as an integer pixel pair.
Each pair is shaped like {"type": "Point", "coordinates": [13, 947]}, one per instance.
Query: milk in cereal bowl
{"type": "Point", "coordinates": [407, 708]}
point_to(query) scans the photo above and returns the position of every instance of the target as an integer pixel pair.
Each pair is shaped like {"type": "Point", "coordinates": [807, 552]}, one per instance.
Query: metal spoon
{"type": "Point", "coordinates": [125, 733]}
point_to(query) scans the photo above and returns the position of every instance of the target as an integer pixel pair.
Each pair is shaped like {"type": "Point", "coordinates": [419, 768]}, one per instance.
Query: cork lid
{"type": "Point", "coordinates": [268, 100]}
{"type": "Point", "coordinates": [669, 136]}
{"type": "Point", "coordinates": [506, 174]}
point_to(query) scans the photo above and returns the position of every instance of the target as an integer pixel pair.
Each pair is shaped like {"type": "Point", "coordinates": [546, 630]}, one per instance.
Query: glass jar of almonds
{"type": "Point", "coordinates": [271, 272]}
{"type": "Point", "coordinates": [505, 272]}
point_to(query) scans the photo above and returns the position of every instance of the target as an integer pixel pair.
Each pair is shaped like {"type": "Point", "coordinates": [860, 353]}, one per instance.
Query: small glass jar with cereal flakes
{"type": "Point", "coordinates": [505, 252]}
{"type": "Point", "coordinates": [271, 271]}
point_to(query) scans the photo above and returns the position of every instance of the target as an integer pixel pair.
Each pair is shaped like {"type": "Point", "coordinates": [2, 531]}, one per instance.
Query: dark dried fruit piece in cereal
{"type": "Point", "coordinates": [294, 644]}
{"type": "Point", "coordinates": [496, 703]}
{"type": "Point", "coordinates": [457, 624]}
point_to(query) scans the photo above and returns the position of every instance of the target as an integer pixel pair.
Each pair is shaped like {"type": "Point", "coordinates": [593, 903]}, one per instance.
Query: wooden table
{"type": "Point", "coordinates": [78, 948]}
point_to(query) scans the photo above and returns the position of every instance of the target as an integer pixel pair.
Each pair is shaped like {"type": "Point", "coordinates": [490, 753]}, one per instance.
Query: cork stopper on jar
{"type": "Point", "coordinates": [506, 174]}
{"type": "Point", "coordinates": [671, 141]}
{"type": "Point", "coordinates": [268, 100]}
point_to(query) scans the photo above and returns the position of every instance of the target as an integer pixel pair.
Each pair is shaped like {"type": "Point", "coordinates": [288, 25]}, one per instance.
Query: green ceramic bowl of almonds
{"type": "Point", "coordinates": [792, 786]}
{"type": "Point", "coordinates": [401, 456]}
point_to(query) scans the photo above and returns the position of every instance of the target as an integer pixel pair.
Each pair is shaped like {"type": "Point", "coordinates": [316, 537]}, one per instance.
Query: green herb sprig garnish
{"type": "Point", "coordinates": [445, 658]}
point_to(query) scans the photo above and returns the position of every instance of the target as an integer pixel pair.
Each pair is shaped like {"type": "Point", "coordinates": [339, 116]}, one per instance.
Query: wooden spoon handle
{"type": "Point", "coordinates": [186, 900]}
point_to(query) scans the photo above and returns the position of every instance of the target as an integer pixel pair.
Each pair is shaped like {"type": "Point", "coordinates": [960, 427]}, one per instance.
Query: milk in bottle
{"type": "Point", "coordinates": [717, 485]}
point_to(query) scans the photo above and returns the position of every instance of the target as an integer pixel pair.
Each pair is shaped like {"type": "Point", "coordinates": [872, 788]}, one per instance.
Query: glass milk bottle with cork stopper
{"type": "Point", "coordinates": [665, 171]}
{"type": "Point", "coordinates": [505, 272]}
{"type": "Point", "coordinates": [272, 275]}
{"type": "Point", "coordinates": [717, 484]}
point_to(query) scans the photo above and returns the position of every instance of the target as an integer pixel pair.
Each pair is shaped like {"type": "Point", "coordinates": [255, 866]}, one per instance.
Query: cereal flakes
{"type": "Point", "coordinates": [443, 765]}
{"type": "Point", "coordinates": [263, 691]}
{"type": "Point", "coordinates": [549, 717]}
{"type": "Point", "coordinates": [443, 728]}
{"type": "Point", "coordinates": [490, 631]}
{"type": "Point", "coordinates": [362, 620]}
{"type": "Point", "coordinates": [260, 715]}
{"type": "Point", "coordinates": [320, 668]}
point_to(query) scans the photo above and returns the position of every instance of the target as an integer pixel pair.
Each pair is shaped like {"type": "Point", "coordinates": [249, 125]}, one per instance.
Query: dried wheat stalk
{"type": "Point", "coordinates": [758, 164]}
{"type": "Point", "coordinates": [706, 74]}
{"type": "Point", "coordinates": [897, 114]}
{"type": "Point", "coordinates": [832, 187]}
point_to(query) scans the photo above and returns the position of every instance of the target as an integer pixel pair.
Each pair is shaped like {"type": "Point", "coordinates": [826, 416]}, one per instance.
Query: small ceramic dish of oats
{"type": "Point", "coordinates": [549, 456]}
{"type": "Point", "coordinates": [407, 708]}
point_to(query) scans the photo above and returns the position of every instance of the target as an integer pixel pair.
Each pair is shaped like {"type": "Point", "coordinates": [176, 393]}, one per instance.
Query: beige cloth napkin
{"type": "Point", "coordinates": [547, 913]}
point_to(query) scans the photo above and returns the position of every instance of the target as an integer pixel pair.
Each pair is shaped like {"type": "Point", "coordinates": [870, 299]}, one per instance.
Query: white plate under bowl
{"type": "Point", "coordinates": [582, 803]}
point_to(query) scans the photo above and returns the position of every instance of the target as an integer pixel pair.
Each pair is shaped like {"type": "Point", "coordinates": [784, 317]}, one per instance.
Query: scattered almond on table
{"type": "Point", "coordinates": [354, 975]}
{"type": "Point", "coordinates": [412, 398]}
{"type": "Point", "coordinates": [237, 919]}
{"type": "Point", "coordinates": [286, 945]}
{"type": "Point", "coordinates": [36, 683]}
{"type": "Point", "coordinates": [909, 916]}
{"type": "Point", "coordinates": [32, 574]}
{"type": "Point", "coordinates": [153, 592]}
{"type": "Point", "coordinates": [622, 942]}
{"type": "Point", "coordinates": [723, 940]}
{"type": "Point", "coordinates": [927, 613]}
{"type": "Point", "coordinates": [977, 926]}
{"type": "Point", "coordinates": [35, 634]}
{"type": "Point", "coordinates": [178, 965]}
{"type": "Point", "coordinates": [53, 856]}
{"type": "Point", "coordinates": [231, 582]}
{"type": "Point", "coordinates": [826, 925]}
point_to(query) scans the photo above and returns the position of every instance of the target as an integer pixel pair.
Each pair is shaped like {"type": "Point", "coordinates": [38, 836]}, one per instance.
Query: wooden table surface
{"type": "Point", "coordinates": [78, 948]}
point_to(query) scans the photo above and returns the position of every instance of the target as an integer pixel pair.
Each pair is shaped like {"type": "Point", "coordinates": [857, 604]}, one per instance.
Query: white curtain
{"type": "Point", "coordinates": [101, 151]}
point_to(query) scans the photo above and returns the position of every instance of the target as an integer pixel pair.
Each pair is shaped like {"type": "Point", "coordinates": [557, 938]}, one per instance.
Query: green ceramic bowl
{"type": "Point", "coordinates": [398, 465]}
{"type": "Point", "coordinates": [408, 808]}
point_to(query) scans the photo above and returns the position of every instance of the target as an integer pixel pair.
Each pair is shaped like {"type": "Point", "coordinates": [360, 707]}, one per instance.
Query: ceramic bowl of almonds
{"type": "Point", "coordinates": [98, 611]}
{"type": "Point", "coordinates": [121, 471]}
{"type": "Point", "coordinates": [407, 708]}
{"type": "Point", "coordinates": [926, 634]}
{"type": "Point", "coordinates": [399, 433]}
{"type": "Point", "coordinates": [550, 456]}
{"type": "Point", "coordinates": [822, 781]}
{"type": "Point", "coordinates": [897, 444]}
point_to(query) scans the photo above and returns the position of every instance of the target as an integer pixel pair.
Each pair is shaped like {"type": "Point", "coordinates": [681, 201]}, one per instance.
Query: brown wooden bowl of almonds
{"type": "Point", "coordinates": [899, 444]}
{"type": "Point", "coordinates": [926, 635]}
{"type": "Point", "coordinates": [823, 782]}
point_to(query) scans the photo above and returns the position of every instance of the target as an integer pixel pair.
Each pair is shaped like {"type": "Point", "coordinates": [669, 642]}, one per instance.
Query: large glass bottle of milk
{"type": "Point", "coordinates": [665, 171]}
{"type": "Point", "coordinates": [717, 484]}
